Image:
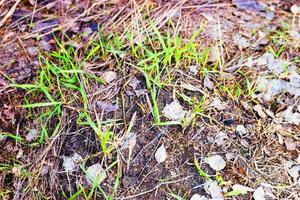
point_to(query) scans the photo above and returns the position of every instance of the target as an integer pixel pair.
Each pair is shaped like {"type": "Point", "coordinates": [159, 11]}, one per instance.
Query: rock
{"type": "Point", "coordinates": [216, 162]}
{"type": "Point", "coordinates": [213, 189]}
{"type": "Point", "coordinates": [174, 111]}
{"type": "Point", "coordinates": [95, 173]}
{"type": "Point", "coordinates": [109, 76]}
{"type": "Point", "coordinates": [161, 154]}
{"type": "Point", "coordinates": [259, 193]}
{"type": "Point", "coordinates": [71, 163]}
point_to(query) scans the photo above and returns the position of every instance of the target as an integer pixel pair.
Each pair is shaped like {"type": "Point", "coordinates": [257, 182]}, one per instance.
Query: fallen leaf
{"type": "Point", "coordinates": [241, 130]}
{"type": "Point", "coordinates": [213, 189]}
{"type": "Point", "coordinates": [198, 197]}
{"type": "Point", "coordinates": [208, 83]}
{"type": "Point", "coordinates": [290, 144]}
{"type": "Point", "coordinates": [32, 134]}
{"type": "Point", "coordinates": [174, 111]}
{"type": "Point", "coordinates": [259, 193]}
{"type": "Point", "coordinates": [95, 173]}
{"type": "Point", "coordinates": [109, 76]}
{"type": "Point", "coordinates": [259, 109]}
{"type": "Point", "coordinates": [161, 154]}
{"type": "Point", "coordinates": [216, 162]}
{"type": "Point", "coordinates": [221, 138]}
{"type": "Point", "coordinates": [70, 163]}
{"type": "Point", "coordinates": [218, 104]}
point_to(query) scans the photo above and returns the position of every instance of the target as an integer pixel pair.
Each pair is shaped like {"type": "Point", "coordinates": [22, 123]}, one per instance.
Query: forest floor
{"type": "Point", "coordinates": [115, 99]}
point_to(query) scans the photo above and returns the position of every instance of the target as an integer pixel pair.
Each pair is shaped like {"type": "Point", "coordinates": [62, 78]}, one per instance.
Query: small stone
{"type": "Point", "coordinates": [216, 162]}
{"type": "Point", "coordinates": [95, 173]}
{"type": "Point", "coordinates": [161, 154]}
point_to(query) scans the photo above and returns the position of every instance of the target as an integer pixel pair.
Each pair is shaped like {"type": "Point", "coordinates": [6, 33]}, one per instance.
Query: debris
{"type": "Point", "coordinates": [241, 130]}
{"type": "Point", "coordinates": [259, 109]}
{"type": "Point", "coordinates": [214, 55]}
{"type": "Point", "coordinates": [174, 111]}
{"type": "Point", "coordinates": [218, 104]}
{"type": "Point", "coordinates": [295, 9]}
{"type": "Point", "coordinates": [161, 154]}
{"type": "Point", "coordinates": [31, 134]}
{"type": "Point", "coordinates": [294, 34]}
{"type": "Point", "coordinates": [292, 169]}
{"type": "Point", "coordinates": [107, 107]}
{"type": "Point", "coordinates": [213, 189]}
{"type": "Point", "coordinates": [290, 144]}
{"type": "Point", "coordinates": [290, 116]}
{"type": "Point", "coordinates": [241, 189]}
{"type": "Point", "coordinates": [193, 69]}
{"type": "Point", "coordinates": [95, 173]}
{"type": "Point", "coordinates": [198, 197]}
{"type": "Point", "coordinates": [229, 156]}
{"type": "Point", "coordinates": [134, 82]}
{"type": "Point", "coordinates": [32, 51]}
{"type": "Point", "coordinates": [216, 162]}
{"type": "Point", "coordinates": [45, 45]}
{"type": "Point", "coordinates": [241, 41]}
{"type": "Point", "coordinates": [208, 83]}
{"type": "Point", "coordinates": [221, 138]}
{"type": "Point", "coordinates": [71, 163]}
{"type": "Point", "coordinates": [259, 193]}
{"type": "Point", "coordinates": [109, 76]}
{"type": "Point", "coordinates": [87, 31]}
{"type": "Point", "coordinates": [251, 5]}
